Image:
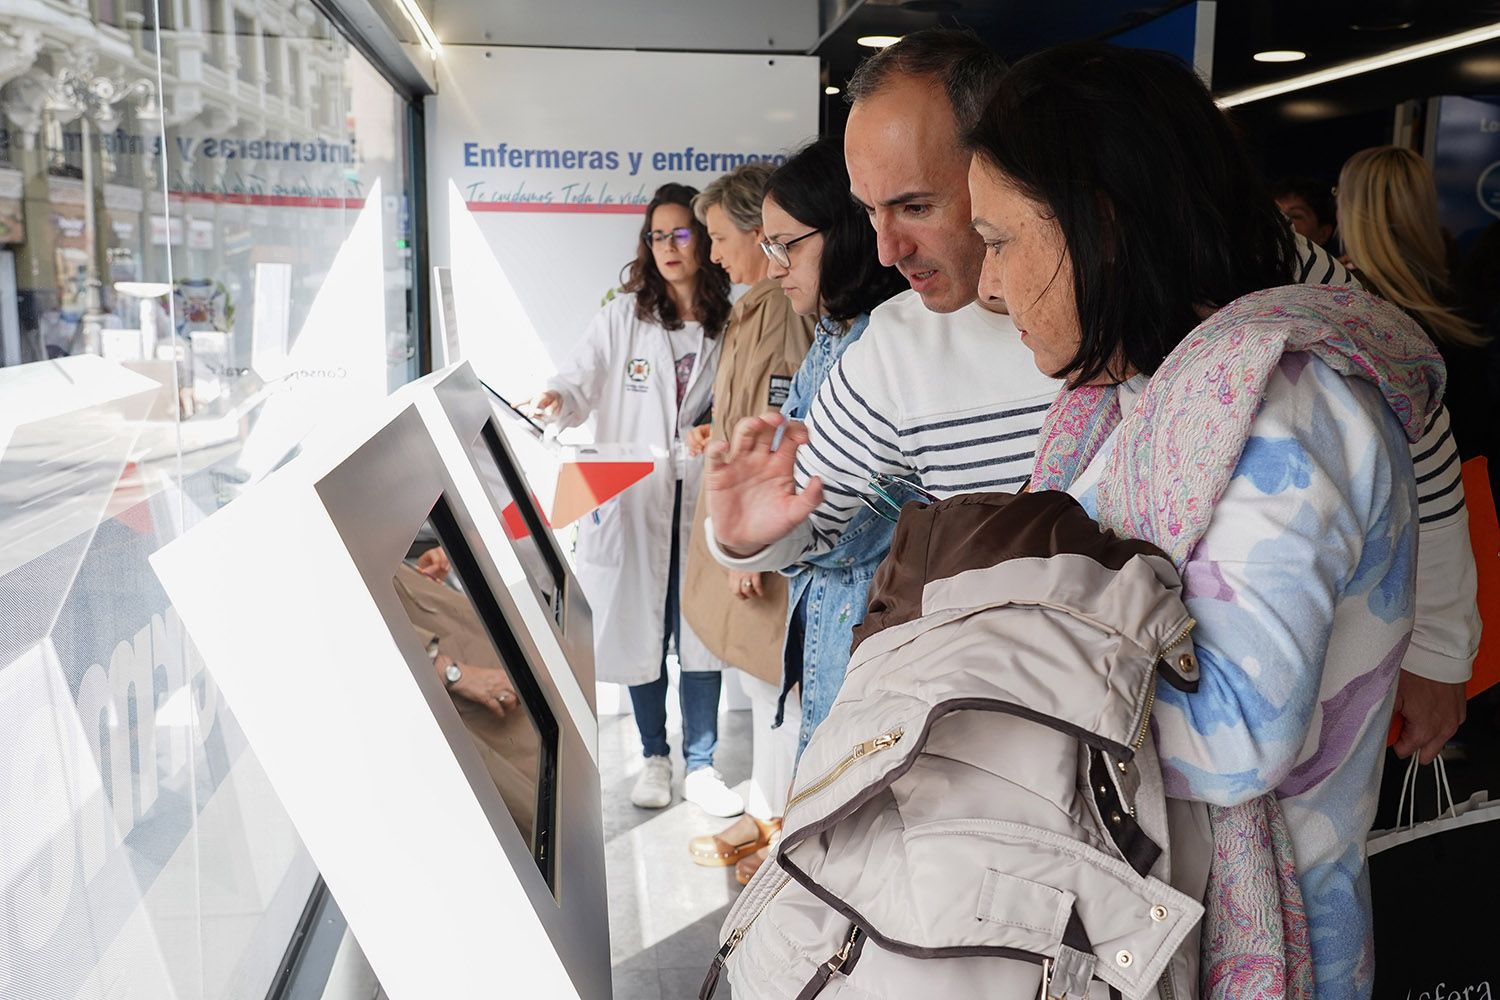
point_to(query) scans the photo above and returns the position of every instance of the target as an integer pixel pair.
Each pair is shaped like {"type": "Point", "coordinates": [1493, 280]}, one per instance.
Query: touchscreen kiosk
{"type": "Point", "coordinates": [466, 424]}
{"type": "Point", "coordinates": [397, 689]}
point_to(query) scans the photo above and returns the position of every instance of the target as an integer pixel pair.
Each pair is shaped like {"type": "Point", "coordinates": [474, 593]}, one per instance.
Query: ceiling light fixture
{"type": "Point", "coordinates": [424, 29]}
{"type": "Point", "coordinates": [1279, 56]}
{"type": "Point", "coordinates": [830, 90]}
{"type": "Point", "coordinates": [877, 41]}
{"type": "Point", "coordinates": [1395, 57]}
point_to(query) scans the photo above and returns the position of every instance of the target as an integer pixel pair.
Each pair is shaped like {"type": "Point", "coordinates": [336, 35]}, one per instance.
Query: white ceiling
{"type": "Point", "coordinates": [696, 25]}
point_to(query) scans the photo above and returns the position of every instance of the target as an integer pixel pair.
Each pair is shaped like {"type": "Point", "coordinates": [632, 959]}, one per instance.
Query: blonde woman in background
{"type": "Point", "coordinates": [1388, 221]}
{"type": "Point", "coordinates": [741, 617]}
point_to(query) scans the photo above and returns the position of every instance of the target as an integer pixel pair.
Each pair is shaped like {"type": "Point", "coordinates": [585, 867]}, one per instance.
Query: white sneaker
{"type": "Point", "coordinates": [707, 790]}
{"type": "Point", "coordinates": [653, 789]}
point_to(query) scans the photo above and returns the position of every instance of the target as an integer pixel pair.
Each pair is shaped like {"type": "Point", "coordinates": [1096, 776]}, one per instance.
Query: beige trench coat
{"type": "Point", "coordinates": [764, 344]}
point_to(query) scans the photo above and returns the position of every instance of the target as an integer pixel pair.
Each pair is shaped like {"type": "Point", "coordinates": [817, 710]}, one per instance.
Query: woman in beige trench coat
{"type": "Point", "coordinates": [741, 617]}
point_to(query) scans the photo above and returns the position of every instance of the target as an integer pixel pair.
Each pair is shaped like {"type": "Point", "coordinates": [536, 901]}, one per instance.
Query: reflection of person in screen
{"type": "Point", "coordinates": [488, 687]}
{"type": "Point", "coordinates": [470, 668]}
{"type": "Point", "coordinates": [644, 371]}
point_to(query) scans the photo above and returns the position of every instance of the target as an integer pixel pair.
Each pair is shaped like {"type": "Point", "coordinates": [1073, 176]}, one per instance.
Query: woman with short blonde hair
{"type": "Point", "coordinates": [741, 617]}
{"type": "Point", "coordinates": [738, 193]}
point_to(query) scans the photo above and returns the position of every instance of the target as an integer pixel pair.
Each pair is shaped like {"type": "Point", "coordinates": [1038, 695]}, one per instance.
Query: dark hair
{"type": "Point", "coordinates": [652, 303]}
{"type": "Point", "coordinates": [1318, 196]}
{"type": "Point", "coordinates": [1161, 211]}
{"type": "Point", "coordinates": [968, 69]}
{"type": "Point", "coordinates": [813, 188]}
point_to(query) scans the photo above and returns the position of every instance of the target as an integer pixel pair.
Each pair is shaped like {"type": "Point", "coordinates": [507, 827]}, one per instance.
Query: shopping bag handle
{"type": "Point", "coordinates": [1409, 787]}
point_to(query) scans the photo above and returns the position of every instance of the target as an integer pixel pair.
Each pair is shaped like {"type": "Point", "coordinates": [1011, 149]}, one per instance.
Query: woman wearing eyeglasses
{"type": "Point", "coordinates": [741, 617]}
{"type": "Point", "coordinates": [645, 372]}
{"type": "Point", "coordinates": [822, 251]}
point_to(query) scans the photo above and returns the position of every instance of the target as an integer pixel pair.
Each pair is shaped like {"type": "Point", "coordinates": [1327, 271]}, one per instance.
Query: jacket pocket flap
{"type": "Point", "coordinates": [1029, 907]}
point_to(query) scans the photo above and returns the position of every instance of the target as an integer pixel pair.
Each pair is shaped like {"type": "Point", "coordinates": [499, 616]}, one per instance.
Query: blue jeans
{"type": "Point", "coordinates": [698, 690]}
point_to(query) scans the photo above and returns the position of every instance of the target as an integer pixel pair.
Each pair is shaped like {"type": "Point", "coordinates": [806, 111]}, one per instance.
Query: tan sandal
{"type": "Point", "coordinates": [744, 836]}
{"type": "Point", "coordinates": [746, 867]}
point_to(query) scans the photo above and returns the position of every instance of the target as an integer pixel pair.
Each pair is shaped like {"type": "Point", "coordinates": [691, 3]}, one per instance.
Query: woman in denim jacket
{"type": "Point", "coordinates": [822, 251]}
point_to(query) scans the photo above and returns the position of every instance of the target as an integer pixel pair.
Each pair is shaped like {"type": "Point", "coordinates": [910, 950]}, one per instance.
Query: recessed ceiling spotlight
{"type": "Point", "coordinates": [1482, 67]}
{"type": "Point", "coordinates": [877, 41]}
{"type": "Point", "coordinates": [1309, 109]}
{"type": "Point", "coordinates": [1279, 56]}
{"type": "Point", "coordinates": [830, 90]}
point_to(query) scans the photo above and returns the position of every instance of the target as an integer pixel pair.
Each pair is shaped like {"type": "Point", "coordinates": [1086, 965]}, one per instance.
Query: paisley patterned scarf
{"type": "Point", "coordinates": [1176, 452]}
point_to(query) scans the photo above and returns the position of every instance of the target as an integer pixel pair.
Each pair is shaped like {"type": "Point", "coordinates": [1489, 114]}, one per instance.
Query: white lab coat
{"type": "Point", "coordinates": [623, 373]}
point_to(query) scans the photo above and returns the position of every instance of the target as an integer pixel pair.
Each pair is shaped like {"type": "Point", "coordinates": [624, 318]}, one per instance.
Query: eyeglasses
{"type": "Point", "coordinates": [778, 251]}
{"type": "Point", "coordinates": [891, 494]}
{"type": "Point", "coordinates": [680, 238]}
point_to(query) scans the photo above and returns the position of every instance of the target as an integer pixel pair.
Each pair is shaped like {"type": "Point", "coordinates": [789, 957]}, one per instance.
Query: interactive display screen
{"type": "Point", "coordinates": [490, 679]}
{"type": "Point", "coordinates": [535, 545]}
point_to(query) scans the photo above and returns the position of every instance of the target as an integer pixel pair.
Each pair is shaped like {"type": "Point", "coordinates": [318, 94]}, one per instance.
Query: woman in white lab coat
{"type": "Point", "coordinates": [645, 372]}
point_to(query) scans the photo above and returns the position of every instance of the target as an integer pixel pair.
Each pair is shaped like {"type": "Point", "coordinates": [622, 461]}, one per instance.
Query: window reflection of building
{"type": "Point", "coordinates": [258, 135]}
{"type": "Point", "coordinates": [114, 203]}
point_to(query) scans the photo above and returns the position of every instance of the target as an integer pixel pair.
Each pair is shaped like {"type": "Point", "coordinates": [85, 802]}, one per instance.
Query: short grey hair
{"type": "Point", "coordinates": [968, 70]}
{"type": "Point", "coordinates": [739, 193]}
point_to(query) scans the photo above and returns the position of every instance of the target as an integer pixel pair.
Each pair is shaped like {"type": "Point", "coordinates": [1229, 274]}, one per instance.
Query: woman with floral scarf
{"type": "Point", "coordinates": [1258, 432]}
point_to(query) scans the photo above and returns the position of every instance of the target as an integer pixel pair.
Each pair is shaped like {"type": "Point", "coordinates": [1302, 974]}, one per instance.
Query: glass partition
{"type": "Point", "coordinates": [204, 253]}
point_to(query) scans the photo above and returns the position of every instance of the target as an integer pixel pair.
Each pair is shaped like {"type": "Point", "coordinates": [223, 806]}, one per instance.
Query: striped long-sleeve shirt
{"type": "Point", "coordinates": [1446, 635]}
{"type": "Point", "coordinates": [954, 401]}
{"type": "Point", "coordinates": [951, 400]}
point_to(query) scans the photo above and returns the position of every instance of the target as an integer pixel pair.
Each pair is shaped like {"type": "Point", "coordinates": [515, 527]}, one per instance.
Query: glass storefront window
{"type": "Point", "coordinates": [204, 254]}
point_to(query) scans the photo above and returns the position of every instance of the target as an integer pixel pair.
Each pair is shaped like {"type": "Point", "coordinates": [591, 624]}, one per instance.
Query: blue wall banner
{"type": "Point", "coordinates": [1465, 156]}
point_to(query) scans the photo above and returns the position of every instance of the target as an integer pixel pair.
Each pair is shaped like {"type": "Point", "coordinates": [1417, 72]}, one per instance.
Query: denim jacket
{"type": "Point", "coordinates": [826, 596]}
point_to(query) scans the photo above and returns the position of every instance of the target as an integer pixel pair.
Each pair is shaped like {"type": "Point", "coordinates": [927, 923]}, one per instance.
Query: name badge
{"type": "Point", "coordinates": [781, 388]}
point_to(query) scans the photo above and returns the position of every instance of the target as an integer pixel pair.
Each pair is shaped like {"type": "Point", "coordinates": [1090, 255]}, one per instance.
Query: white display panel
{"type": "Point", "coordinates": [313, 648]}
{"type": "Point", "coordinates": [536, 241]}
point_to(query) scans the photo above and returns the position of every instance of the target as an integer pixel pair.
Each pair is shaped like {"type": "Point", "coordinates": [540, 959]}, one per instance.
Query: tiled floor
{"type": "Point", "coordinates": [664, 911]}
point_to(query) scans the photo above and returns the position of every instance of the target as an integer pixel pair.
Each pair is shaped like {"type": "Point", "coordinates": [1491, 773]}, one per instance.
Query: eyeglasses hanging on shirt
{"type": "Point", "coordinates": [681, 238]}
{"type": "Point", "coordinates": [892, 493]}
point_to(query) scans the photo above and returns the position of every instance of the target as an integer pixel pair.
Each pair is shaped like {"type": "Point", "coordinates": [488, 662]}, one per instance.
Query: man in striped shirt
{"type": "Point", "coordinates": [942, 390]}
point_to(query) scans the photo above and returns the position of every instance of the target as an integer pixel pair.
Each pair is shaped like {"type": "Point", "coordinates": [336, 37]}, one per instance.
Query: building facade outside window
{"type": "Point", "coordinates": [204, 254]}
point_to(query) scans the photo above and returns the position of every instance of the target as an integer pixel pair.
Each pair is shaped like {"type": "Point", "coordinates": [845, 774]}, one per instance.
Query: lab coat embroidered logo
{"type": "Point", "coordinates": [637, 369]}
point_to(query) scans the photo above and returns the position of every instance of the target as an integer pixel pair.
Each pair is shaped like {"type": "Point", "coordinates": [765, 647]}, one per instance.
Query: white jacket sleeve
{"type": "Point", "coordinates": [778, 555]}
{"type": "Point", "coordinates": [580, 379]}
{"type": "Point", "coordinates": [1445, 636]}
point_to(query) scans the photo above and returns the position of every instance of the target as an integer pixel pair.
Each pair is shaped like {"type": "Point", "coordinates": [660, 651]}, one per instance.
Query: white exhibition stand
{"type": "Point", "coordinates": [312, 648]}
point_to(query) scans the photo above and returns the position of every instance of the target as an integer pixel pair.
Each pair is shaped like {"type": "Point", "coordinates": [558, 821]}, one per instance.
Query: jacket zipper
{"type": "Point", "coordinates": [711, 981]}
{"type": "Point", "coordinates": [1187, 630]}
{"type": "Point", "coordinates": [1145, 727]}
{"type": "Point", "coordinates": [882, 742]}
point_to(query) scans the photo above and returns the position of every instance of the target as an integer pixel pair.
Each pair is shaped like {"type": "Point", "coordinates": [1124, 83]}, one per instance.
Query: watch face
{"type": "Point", "coordinates": [452, 673]}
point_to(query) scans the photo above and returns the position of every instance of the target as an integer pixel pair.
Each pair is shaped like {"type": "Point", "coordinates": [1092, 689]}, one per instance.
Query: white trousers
{"type": "Point", "coordinates": [773, 752]}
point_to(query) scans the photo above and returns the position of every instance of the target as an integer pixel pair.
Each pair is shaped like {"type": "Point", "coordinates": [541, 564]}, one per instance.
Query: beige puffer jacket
{"type": "Point", "coordinates": [981, 814]}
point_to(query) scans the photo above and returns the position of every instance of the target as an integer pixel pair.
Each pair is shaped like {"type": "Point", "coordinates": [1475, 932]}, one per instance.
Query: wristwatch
{"type": "Point", "coordinates": [452, 674]}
